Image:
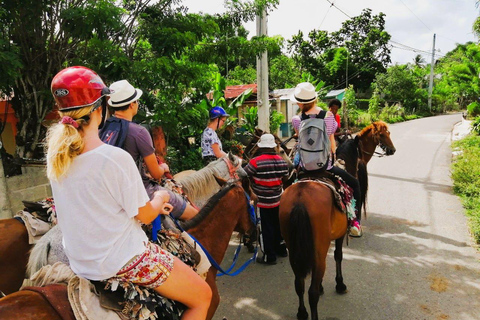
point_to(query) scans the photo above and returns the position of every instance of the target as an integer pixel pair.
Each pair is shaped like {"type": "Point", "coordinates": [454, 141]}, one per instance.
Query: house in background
{"type": "Point", "coordinates": [287, 107]}
{"type": "Point", "coordinates": [335, 94]}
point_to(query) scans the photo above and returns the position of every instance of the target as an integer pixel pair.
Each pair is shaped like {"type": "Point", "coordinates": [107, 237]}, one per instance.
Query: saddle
{"type": "Point", "coordinates": [342, 193]}
{"type": "Point", "coordinates": [57, 297]}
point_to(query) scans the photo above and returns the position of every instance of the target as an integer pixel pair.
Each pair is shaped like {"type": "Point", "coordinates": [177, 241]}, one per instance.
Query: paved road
{"type": "Point", "coordinates": [415, 260]}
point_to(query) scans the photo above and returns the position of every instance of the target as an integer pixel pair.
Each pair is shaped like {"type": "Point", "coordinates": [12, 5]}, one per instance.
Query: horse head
{"type": "Point", "coordinates": [382, 136]}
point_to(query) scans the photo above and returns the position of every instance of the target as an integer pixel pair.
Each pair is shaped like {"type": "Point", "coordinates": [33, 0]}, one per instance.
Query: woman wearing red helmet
{"type": "Point", "coordinates": [100, 200]}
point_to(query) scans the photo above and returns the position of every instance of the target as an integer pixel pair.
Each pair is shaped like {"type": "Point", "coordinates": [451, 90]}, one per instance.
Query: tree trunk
{"type": "Point", "coordinates": [159, 142]}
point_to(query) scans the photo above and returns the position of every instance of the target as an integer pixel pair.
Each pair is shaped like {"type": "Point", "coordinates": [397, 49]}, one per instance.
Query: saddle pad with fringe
{"type": "Point", "coordinates": [342, 193]}
{"type": "Point", "coordinates": [57, 297]}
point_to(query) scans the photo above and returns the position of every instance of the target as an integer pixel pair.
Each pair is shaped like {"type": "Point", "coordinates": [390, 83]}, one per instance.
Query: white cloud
{"type": "Point", "coordinates": [410, 22]}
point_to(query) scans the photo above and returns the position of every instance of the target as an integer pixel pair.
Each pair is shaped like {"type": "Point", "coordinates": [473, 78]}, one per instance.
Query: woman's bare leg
{"type": "Point", "coordinates": [185, 286]}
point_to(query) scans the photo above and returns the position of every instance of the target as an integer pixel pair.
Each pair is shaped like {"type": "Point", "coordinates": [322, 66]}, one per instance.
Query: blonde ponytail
{"type": "Point", "coordinates": [64, 143]}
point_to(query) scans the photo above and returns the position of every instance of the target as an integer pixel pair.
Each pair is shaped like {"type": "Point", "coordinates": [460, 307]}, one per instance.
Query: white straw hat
{"type": "Point", "coordinates": [304, 93]}
{"type": "Point", "coordinates": [267, 140]}
{"type": "Point", "coordinates": [123, 93]}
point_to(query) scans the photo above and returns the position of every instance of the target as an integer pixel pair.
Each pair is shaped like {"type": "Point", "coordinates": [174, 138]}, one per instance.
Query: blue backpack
{"type": "Point", "coordinates": [115, 131]}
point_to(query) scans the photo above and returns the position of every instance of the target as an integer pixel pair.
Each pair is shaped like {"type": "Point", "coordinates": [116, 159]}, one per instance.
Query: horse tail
{"type": "Point", "coordinates": [302, 251]}
{"type": "Point", "coordinates": [363, 181]}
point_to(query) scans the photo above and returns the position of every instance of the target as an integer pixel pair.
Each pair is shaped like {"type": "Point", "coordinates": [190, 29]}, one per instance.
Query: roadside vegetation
{"type": "Point", "coordinates": [466, 177]}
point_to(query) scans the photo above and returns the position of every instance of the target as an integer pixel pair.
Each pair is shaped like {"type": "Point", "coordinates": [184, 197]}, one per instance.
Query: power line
{"type": "Point", "coordinates": [332, 4]}
{"type": "Point", "coordinates": [416, 16]}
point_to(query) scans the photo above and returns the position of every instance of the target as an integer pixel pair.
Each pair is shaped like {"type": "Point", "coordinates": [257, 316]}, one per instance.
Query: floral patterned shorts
{"type": "Point", "coordinates": [149, 269]}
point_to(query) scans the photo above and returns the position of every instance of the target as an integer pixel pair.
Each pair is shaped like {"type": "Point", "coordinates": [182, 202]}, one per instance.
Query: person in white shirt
{"type": "Point", "coordinates": [101, 201]}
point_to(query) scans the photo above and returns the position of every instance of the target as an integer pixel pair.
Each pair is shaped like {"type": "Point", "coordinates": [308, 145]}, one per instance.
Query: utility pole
{"type": "Point", "coordinates": [430, 85]}
{"type": "Point", "coordinates": [262, 78]}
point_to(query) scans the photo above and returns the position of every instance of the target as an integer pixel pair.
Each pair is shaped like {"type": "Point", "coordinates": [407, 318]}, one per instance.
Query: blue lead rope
{"type": "Point", "coordinates": [221, 272]}
{"type": "Point", "coordinates": [156, 226]}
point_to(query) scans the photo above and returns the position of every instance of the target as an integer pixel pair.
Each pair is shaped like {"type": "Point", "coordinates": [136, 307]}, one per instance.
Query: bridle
{"type": "Point", "coordinates": [232, 170]}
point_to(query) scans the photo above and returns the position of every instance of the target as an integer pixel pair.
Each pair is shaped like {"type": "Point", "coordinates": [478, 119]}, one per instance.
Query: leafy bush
{"type": "Point", "coordinates": [276, 118]}
{"type": "Point", "coordinates": [186, 159]}
{"type": "Point", "coordinates": [473, 109]}
{"type": "Point", "coordinates": [466, 180]}
{"type": "Point", "coordinates": [476, 125]}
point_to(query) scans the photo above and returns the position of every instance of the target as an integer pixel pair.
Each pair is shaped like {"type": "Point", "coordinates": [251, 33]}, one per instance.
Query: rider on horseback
{"type": "Point", "coordinates": [306, 98]}
{"type": "Point", "coordinates": [211, 144]}
{"type": "Point", "coordinates": [100, 200]}
{"type": "Point", "coordinates": [340, 135]}
{"type": "Point", "coordinates": [124, 102]}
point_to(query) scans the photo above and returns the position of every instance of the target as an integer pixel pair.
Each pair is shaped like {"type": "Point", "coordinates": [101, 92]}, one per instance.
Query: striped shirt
{"type": "Point", "coordinates": [267, 171]}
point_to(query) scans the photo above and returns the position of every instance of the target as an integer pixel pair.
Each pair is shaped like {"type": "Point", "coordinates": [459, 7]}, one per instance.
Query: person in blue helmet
{"type": "Point", "coordinates": [211, 144]}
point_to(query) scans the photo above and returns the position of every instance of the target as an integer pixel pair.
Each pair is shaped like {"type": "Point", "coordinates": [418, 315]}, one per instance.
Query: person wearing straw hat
{"type": "Point", "coordinates": [267, 170]}
{"type": "Point", "coordinates": [100, 200]}
{"type": "Point", "coordinates": [124, 102]}
{"type": "Point", "coordinates": [305, 97]}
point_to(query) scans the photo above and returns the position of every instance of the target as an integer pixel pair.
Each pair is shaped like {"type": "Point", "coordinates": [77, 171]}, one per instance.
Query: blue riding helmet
{"type": "Point", "coordinates": [217, 112]}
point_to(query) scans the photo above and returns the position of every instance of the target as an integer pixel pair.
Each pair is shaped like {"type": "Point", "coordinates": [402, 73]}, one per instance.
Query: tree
{"type": "Point", "coordinates": [43, 36]}
{"type": "Point", "coordinates": [362, 40]}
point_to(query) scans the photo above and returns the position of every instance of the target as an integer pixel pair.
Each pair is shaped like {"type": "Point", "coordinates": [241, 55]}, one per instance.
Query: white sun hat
{"type": "Point", "coordinates": [304, 93]}
{"type": "Point", "coordinates": [267, 140]}
{"type": "Point", "coordinates": [123, 93]}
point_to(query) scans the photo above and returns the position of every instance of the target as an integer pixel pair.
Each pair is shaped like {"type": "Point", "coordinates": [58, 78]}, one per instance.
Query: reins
{"type": "Point", "coordinates": [253, 217]}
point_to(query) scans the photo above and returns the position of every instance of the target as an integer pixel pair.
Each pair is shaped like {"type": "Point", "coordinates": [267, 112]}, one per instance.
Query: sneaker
{"type": "Point", "coordinates": [356, 229]}
{"type": "Point", "coordinates": [265, 260]}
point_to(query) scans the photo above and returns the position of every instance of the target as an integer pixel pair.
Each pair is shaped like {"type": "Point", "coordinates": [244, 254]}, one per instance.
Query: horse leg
{"type": "Point", "coordinates": [302, 313]}
{"type": "Point", "coordinates": [340, 287]}
{"type": "Point", "coordinates": [316, 287]}
{"type": "Point", "coordinates": [211, 280]}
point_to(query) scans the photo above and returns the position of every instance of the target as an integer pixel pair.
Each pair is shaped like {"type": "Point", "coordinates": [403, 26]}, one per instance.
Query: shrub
{"type": "Point", "coordinates": [476, 125]}
{"type": "Point", "coordinates": [473, 109]}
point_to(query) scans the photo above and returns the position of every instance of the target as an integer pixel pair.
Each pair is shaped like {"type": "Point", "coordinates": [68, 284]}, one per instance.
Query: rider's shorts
{"type": "Point", "coordinates": [149, 269]}
{"type": "Point", "coordinates": [178, 203]}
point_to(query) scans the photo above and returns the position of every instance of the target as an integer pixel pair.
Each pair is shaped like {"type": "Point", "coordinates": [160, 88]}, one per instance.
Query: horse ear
{"type": "Point", "coordinates": [356, 139]}
{"type": "Point", "coordinates": [231, 157]}
{"type": "Point", "coordinates": [221, 182]}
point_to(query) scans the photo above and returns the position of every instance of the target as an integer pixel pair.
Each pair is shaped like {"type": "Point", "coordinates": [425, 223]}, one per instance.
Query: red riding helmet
{"type": "Point", "coordinates": [77, 87]}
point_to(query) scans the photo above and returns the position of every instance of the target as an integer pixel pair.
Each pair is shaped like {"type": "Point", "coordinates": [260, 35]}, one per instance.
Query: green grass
{"type": "Point", "coordinates": [466, 179]}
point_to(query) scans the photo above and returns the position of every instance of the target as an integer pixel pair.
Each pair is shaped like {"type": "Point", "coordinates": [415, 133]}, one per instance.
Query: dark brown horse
{"type": "Point", "coordinates": [309, 221]}
{"type": "Point", "coordinates": [226, 211]}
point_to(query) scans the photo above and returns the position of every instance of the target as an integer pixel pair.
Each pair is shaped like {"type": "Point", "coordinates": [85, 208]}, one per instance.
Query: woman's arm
{"type": "Point", "coordinates": [158, 205]}
{"type": "Point", "coordinates": [216, 150]}
{"type": "Point", "coordinates": [156, 171]}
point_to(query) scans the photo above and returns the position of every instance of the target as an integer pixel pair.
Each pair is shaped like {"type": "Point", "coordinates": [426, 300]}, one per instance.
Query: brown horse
{"type": "Point", "coordinates": [226, 211]}
{"type": "Point", "coordinates": [14, 252]}
{"type": "Point", "coordinates": [15, 247]}
{"type": "Point", "coordinates": [376, 134]}
{"type": "Point", "coordinates": [309, 221]}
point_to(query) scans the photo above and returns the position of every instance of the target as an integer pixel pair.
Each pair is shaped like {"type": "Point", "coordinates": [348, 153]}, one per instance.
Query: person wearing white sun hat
{"type": "Point", "coordinates": [138, 142]}
{"type": "Point", "coordinates": [305, 96]}
{"type": "Point", "coordinates": [267, 170]}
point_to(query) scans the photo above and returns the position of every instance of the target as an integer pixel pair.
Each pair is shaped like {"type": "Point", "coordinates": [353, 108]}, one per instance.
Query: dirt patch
{"type": "Point", "coordinates": [438, 283]}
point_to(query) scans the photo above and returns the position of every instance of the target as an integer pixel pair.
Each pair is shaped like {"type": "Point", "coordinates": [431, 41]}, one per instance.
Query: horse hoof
{"type": "Point", "coordinates": [302, 315]}
{"type": "Point", "coordinates": [341, 288]}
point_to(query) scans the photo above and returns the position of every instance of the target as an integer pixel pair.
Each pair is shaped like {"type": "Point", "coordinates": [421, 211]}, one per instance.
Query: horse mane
{"type": "Point", "coordinates": [377, 124]}
{"type": "Point", "coordinates": [207, 208]}
{"type": "Point", "coordinates": [201, 184]}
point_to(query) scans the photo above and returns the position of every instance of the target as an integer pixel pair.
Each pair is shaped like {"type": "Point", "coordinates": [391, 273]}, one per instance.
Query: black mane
{"type": "Point", "coordinates": [207, 208]}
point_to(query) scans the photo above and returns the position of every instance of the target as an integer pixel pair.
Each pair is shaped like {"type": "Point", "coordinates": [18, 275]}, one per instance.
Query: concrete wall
{"type": "Point", "coordinates": [32, 185]}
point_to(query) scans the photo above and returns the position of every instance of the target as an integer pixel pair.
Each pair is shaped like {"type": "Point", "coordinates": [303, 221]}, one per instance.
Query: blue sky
{"type": "Point", "coordinates": [411, 23]}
